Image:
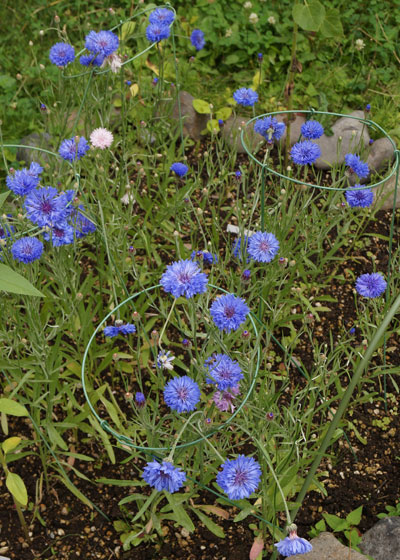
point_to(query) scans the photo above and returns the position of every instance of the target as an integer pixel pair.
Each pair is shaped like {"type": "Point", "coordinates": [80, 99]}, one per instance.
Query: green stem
{"type": "Point", "coordinates": [171, 453]}
{"type": "Point", "coordinates": [166, 322]}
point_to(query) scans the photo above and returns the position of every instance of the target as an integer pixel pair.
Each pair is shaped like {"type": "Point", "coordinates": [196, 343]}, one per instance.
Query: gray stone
{"type": "Point", "coordinates": [231, 132]}
{"type": "Point", "coordinates": [381, 154]}
{"type": "Point", "coordinates": [327, 547]}
{"type": "Point", "coordinates": [384, 194]}
{"type": "Point", "coordinates": [295, 127]}
{"type": "Point", "coordinates": [382, 541]}
{"type": "Point", "coordinates": [193, 122]}
{"type": "Point", "coordinates": [349, 136]}
{"type": "Point", "coordinates": [36, 140]}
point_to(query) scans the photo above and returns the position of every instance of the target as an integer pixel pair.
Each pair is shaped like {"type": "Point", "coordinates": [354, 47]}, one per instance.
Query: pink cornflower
{"type": "Point", "coordinates": [223, 399]}
{"type": "Point", "coordinates": [101, 138]}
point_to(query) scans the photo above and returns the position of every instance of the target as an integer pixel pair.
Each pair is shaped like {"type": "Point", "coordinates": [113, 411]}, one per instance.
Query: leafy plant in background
{"type": "Point", "coordinates": [347, 526]}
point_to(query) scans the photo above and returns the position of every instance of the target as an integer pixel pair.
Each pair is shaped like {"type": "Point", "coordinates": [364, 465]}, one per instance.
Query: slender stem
{"type": "Point", "coordinates": [166, 323]}
{"type": "Point", "coordinates": [290, 86]}
{"type": "Point", "coordinates": [171, 453]}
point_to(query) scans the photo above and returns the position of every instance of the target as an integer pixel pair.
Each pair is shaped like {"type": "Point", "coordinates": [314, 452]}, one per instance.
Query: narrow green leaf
{"type": "Point", "coordinates": [3, 197]}
{"type": "Point", "coordinates": [10, 444]}
{"type": "Point", "coordinates": [9, 406]}
{"type": "Point", "coordinates": [11, 281]}
{"type": "Point", "coordinates": [17, 487]}
{"type": "Point", "coordinates": [180, 514]}
{"type": "Point", "coordinates": [209, 523]}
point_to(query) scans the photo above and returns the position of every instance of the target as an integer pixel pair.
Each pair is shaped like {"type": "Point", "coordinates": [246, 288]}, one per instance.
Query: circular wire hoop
{"type": "Point", "coordinates": [311, 112]}
{"type": "Point", "coordinates": [128, 441]}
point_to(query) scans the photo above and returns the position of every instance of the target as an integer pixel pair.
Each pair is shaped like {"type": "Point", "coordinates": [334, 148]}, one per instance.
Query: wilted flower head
{"type": "Point", "coordinates": [101, 138]}
{"type": "Point", "coordinates": [165, 359]}
{"type": "Point", "coordinates": [223, 400]}
{"type": "Point", "coordinates": [269, 128]}
{"type": "Point", "coordinates": [62, 54]}
{"type": "Point", "coordinates": [197, 39]}
{"type": "Point", "coordinates": [164, 476]}
{"type": "Point", "coordinates": [292, 545]}
{"type": "Point", "coordinates": [184, 278]}
{"type": "Point", "coordinates": [239, 477]}
{"type": "Point", "coordinates": [182, 394]}
{"type": "Point", "coordinates": [371, 285]}
{"type": "Point", "coordinates": [305, 152]}
{"type": "Point", "coordinates": [245, 97]}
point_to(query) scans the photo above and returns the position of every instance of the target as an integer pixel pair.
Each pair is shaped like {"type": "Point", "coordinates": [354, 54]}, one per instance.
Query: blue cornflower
{"type": "Point", "coordinates": [292, 545]}
{"type": "Point", "coordinates": [260, 56]}
{"type": "Point", "coordinates": [238, 174]}
{"type": "Point", "coordinates": [27, 249]}
{"type": "Point", "coordinates": [164, 476]}
{"type": "Point", "coordinates": [312, 130]}
{"type": "Point", "coordinates": [103, 42]}
{"type": "Point", "coordinates": [92, 59]}
{"type": "Point", "coordinates": [246, 275]}
{"type": "Point", "coordinates": [45, 207]}
{"type": "Point", "coordinates": [357, 165]}
{"type": "Point", "coordinates": [73, 149]}
{"type": "Point", "coordinates": [359, 198]}
{"type": "Point", "coordinates": [140, 399]}
{"type": "Point", "coordinates": [263, 246]}
{"type": "Point", "coordinates": [239, 248]}
{"type": "Point", "coordinates": [305, 152]}
{"type": "Point", "coordinates": [184, 278]}
{"type": "Point", "coordinates": [83, 226]}
{"type": "Point", "coordinates": [182, 394]}
{"type": "Point", "coordinates": [239, 477]}
{"type": "Point", "coordinates": [229, 312]}
{"type": "Point", "coordinates": [270, 128]}
{"type": "Point", "coordinates": [220, 122]}
{"type": "Point", "coordinates": [165, 359]}
{"type": "Point", "coordinates": [119, 328]}
{"type": "Point", "coordinates": [205, 256]}
{"type": "Point", "coordinates": [352, 330]}
{"type": "Point", "coordinates": [156, 32]}
{"type": "Point", "coordinates": [197, 39]}
{"type": "Point", "coordinates": [245, 97]}
{"type": "Point", "coordinates": [24, 180]}
{"type": "Point", "coordinates": [223, 372]}
{"type": "Point", "coordinates": [179, 169]}
{"type": "Point", "coordinates": [371, 285]}
{"type": "Point", "coordinates": [368, 107]}
{"type": "Point", "coordinates": [62, 54]}
{"type": "Point", "coordinates": [162, 16]}
{"type": "Point", "coordinates": [61, 235]}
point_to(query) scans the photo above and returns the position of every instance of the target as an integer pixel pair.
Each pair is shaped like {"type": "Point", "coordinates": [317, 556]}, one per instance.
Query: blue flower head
{"type": "Point", "coordinates": [73, 148]}
{"type": "Point", "coordinates": [269, 128]}
{"type": "Point", "coordinates": [239, 248]}
{"type": "Point", "coordinates": [45, 207]}
{"type": "Point", "coordinates": [62, 54]}
{"type": "Point", "coordinates": [140, 399]}
{"type": "Point", "coordinates": [245, 97]}
{"type": "Point", "coordinates": [263, 246]}
{"type": "Point", "coordinates": [184, 278]}
{"type": "Point", "coordinates": [156, 32]}
{"type": "Point", "coordinates": [197, 39]}
{"type": "Point", "coordinates": [312, 130]}
{"type": "Point", "coordinates": [356, 165]}
{"type": "Point", "coordinates": [162, 16]}
{"type": "Point", "coordinates": [182, 394]}
{"type": "Point", "coordinates": [239, 477]}
{"type": "Point", "coordinates": [179, 169]}
{"type": "Point", "coordinates": [83, 226]}
{"type": "Point", "coordinates": [24, 180]}
{"type": "Point", "coordinates": [305, 152]}
{"type": "Point", "coordinates": [103, 43]}
{"type": "Point", "coordinates": [27, 249]}
{"type": "Point", "coordinates": [119, 328]}
{"type": "Point", "coordinates": [229, 312]}
{"type": "Point", "coordinates": [62, 235]}
{"type": "Point", "coordinates": [292, 545]}
{"type": "Point", "coordinates": [92, 59]}
{"type": "Point", "coordinates": [205, 256]}
{"type": "Point", "coordinates": [164, 476]}
{"type": "Point", "coordinates": [359, 198]}
{"type": "Point", "coordinates": [223, 372]}
{"type": "Point", "coordinates": [371, 285]}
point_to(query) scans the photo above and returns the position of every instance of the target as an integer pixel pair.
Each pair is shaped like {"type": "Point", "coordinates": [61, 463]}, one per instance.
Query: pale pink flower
{"type": "Point", "coordinates": [101, 138]}
{"type": "Point", "coordinates": [223, 399]}
{"type": "Point", "coordinates": [114, 61]}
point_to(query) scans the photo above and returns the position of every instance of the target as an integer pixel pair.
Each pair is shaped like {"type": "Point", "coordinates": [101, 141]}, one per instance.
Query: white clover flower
{"type": "Point", "coordinates": [271, 20]}
{"type": "Point", "coordinates": [247, 5]}
{"type": "Point", "coordinates": [253, 18]}
{"type": "Point", "coordinates": [228, 32]}
{"type": "Point", "coordinates": [359, 45]}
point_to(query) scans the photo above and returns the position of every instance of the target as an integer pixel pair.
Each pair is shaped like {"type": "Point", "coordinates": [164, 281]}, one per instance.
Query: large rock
{"type": "Point", "coordinates": [349, 136]}
{"type": "Point", "coordinates": [385, 193]}
{"type": "Point", "coordinates": [327, 547]}
{"type": "Point", "coordinates": [231, 132]}
{"type": "Point", "coordinates": [382, 541]}
{"type": "Point", "coordinates": [295, 127]}
{"type": "Point", "coordinates": [193, 122]}
{"type": "Point", "coordinates": [381, 154]}
{"type": "Point", "coordinates": [36, 140]}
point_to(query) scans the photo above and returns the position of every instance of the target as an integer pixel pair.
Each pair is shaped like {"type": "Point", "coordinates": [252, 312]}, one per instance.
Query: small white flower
{"type": "Point", "coordinates": [127, 198]}
{"type": "Point", "coordinates": [271, 20]}
{"type": "Point", "coordinates": [114, 61]}
{"type": "Point", "coordinates": [253, 18]}
{"type": "Point", "coordinates": [360, 44]}
{"type": "Point", "coordinates": [101, 138]}
{"type": "Point", "coordinates": [228, 32]}
{"type": "Point", "coordinates": [248, 5]}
